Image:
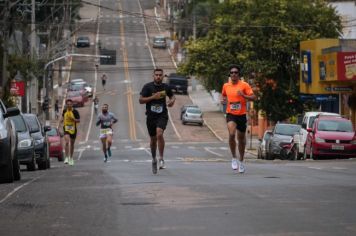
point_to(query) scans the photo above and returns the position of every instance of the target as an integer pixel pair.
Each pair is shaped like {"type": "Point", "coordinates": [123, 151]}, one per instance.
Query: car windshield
{"type": "Point", "coordinates": [20, 125]}
{"type": "Point", "coordinates": [335, 125]}
{"type": "Point", "coordinates": [32, 123]}
{"type": "Point", "coordinates": [287, 129]}
{"type": "Point", "coordinates": [76, 87]}
{"type": "Point", "coordinates": [194, 110]}
{"type": "Point", "coordinates": [74, 94]}
{"type": "Point", "coordinates": [159, 40]}
{"type": "Point", "coordinates": [52, 132]}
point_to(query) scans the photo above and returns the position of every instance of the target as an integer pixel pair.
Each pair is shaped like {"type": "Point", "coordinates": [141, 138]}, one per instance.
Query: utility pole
{"type": "Point", "coordinates": [5, 45]}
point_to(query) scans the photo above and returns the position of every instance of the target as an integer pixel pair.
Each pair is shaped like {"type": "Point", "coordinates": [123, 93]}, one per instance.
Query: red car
{"type": "Point", "coordinates": [77, 98]}
{"type": "Point", "coordinates": [330, 136]}
{"type": "Point", "coordinates": [55, 144]}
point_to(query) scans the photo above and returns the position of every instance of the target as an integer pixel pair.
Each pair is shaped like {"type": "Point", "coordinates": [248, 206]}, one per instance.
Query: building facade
{"type": "Point", "coordinates": [328, 75]}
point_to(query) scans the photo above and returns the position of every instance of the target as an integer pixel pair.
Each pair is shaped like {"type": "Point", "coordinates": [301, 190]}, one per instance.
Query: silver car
{"type": "Point", "coordinates": [261, 153]}
{"type": "Point", "coordinates": [193, 115]}
{"type": "Point", "coordinates": [159, 42]}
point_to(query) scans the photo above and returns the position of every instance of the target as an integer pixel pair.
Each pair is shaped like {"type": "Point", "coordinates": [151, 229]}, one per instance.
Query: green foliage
{"type": "Point", "coordinates": [262, 36]}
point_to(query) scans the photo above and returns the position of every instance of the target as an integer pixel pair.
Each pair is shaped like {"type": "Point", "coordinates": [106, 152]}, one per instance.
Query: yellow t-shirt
{"type": "Point", "coordinates": [69, 124]}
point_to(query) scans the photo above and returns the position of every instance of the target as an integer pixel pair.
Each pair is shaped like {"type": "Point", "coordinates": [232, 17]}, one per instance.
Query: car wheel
{"type": "Point", "coordinates": [48, 162]}
{"type": "Point", "coordinates": [6, 171]}
{"type": "Point", "coordinates": [259, 154]}
{"type": "Point", "coordinates": [312, 156]}
{"type": "Point", "coordinates": [183, 122]}
{"type": "Point", "coordinates": [305, 156]}
{"type": "Point", "coordinates": [32, 165]}
{"type": "Point", "coordinates": [42, 165]}
{"type": "Point", "coordinates": [16, 169]}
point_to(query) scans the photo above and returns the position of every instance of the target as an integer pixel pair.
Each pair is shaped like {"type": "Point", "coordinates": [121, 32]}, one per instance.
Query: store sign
{"type": "Point", "coordinates": [17, 88]}
{"type": "Point", "coordinates": [346, 65]}
{"type": "Point", "coordinates": [342, 89]}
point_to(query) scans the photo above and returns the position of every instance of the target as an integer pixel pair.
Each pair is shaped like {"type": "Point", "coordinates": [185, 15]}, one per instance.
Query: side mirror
{"type": "Point", "coordinates": [12, 111]}
{"type": "Point", "coordinates": [47, 128]}
{"type": "Point", "coordinates": [309, 130]}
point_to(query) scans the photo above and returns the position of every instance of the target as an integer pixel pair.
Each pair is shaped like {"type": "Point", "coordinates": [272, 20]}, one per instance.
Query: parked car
{"type": "Point", "coordinates": [55, 144]}
{"type": "Point", "coordinates": [83, 41]}
{"type": "Point", "coordinates": [261, 152]}
{"type": "Point", "coordinates": [184, 108]}
{"type": "Point", "coordinates": [81, 88]}
{"type": "Point", "coordinates": [178, 83]}
{"type": "Point", "coordinates": [330, 136]}
{"type": "Point", "coordinates": [25, 150]}
{"type": "Point", "coordinates": [77, 98]}
{"type": "Point", "coordinates": [307, 122]}
{"type": "Point", "coordinates": [193, 115]}
{"type": "Point", "coordinates": [9, 164]}
{"type": "Point", "coordinates": [39, 136]}
{"type": "Point", "coordinates": [159, 42]}
{"type": "Point", "coordinates": [282, 134]}
{"type": "Point", "coordinates": [88, 88]}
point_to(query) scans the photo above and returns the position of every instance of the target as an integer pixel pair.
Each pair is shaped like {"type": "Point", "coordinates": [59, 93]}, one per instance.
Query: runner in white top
{"type": "Point", "coordinates": [106, 119]}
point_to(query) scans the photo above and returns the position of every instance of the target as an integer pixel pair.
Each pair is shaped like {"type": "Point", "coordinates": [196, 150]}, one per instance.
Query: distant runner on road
{"type": "Point", "coordinates": [103, 80]}
{"type": "Point", "coordinates": [154, 94]}
{"type": "Point", "coordinates": [235, 94]}
{"type": "Point", "coordinates": [106, 119]}
{"type": "Point", "coordinates": [70, 119]}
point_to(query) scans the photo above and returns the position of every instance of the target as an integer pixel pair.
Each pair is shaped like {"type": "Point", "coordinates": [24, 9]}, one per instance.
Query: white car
{"type": "Point", "coordinates": [308, 121]}
{"type": "Point", "coordinates": [88, 88]}
{"type": "Point", "coordinates": [193, 115]}
{"type": "Point", "coordinates": [261, 152]}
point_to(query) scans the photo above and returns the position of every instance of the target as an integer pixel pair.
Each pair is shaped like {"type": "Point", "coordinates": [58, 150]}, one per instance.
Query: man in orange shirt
{"type": "Point", "coordinates": [235, 95]}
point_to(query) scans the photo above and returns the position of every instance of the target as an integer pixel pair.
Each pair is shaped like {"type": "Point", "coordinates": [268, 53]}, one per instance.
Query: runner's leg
{"type": "Point", "coordinates": [231, 126]}
{"type": "Point", "coordinates": [72, 141]}
{"type": "Point", "coordinates": [241, 137]}
{"type": "Point", "coordinates": [109, 142]}
{"type": "Point", "coordinates": [153, 145]}
{"type": "Point", "coordinates": [161, 143]}
{"type": "Point", "coordinates": [66, 148]}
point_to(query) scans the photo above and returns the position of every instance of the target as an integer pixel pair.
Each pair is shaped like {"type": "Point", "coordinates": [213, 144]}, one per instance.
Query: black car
{"type": "Point", "coordinates": [83, 42]}
{"type": "Point", "coordinates": [25, 150]}
{"type": "Point", "coordinates": [178, 83]}
{"type": "Point", "coordinates": [9, 165]}
{"type": "Point", "coordinates": [39, 136]}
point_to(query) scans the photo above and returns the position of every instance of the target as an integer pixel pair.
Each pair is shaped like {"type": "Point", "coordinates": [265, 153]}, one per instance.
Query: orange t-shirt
{"type": "Point", "coordinates": [236, 104]}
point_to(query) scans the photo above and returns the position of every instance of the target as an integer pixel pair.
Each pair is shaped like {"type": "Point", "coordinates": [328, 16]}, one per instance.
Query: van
{"type": "Point", "coordinates": [308, 122]}
{"type": "Point", "coordinates": [178, 83]}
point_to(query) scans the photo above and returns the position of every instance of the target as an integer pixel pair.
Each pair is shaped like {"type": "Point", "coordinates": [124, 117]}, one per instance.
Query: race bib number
{"type": "Point", "coordinates": [70, 129]}
{"type": "Point", "coordinates": [235, 106]}
{"type": "Point", "coordinates": [105, 131]}
{"type": "Point", "coordinates": [157, 108]}
{"type": "Point", "coordinates": [107, 123]}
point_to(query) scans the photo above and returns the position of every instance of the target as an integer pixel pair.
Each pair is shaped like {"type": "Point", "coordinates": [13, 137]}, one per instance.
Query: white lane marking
{"type": "Point", "coordinates": [315, 168]}
{"type": "Point", "coordinates": [215, 153]}
{"type": "Point", "coordinates": [191, 147]}
{"type": "Point", "coordinates": [18, 188]}
{"type": "Point", "coordinates": [339, 168]}
{"type": "Point", "coordinates": [95, 74]}
{"type": "Point", "coordinates": [223, 148]}
{"type": "Point", "coordinates": [174, 147]}
{"type": "Point", "coordinates": [148, 152]}
{"type": "Point", "coordinates": [154, 65]}
{"type": "Point", "coordinates": [80, 153]}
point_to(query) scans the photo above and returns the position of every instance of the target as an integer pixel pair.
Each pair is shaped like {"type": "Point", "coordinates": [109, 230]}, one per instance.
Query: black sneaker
{"type": "Point", "coordinates": [154, 166]}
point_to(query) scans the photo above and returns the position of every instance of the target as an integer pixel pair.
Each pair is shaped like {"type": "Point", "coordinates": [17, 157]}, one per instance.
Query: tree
{"type": "Point", "coordinates": [262, 36]}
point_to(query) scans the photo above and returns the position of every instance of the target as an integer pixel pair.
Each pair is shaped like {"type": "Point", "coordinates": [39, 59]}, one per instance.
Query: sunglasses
{"type": "Point", "coordinates": [158, 74]}
{"type": "Point", "coordinates": [234, 72]}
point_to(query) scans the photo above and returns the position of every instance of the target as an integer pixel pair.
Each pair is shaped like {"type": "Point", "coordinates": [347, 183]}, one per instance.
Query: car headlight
{"type": "Point", "coordinates": [24, 143]}
{"type": "Point", "coordinates": [39, 141]}
{"type": "Point", "coordinates": [353, 141]}
{"type": "Point", "coordinates": [319, 140]}
{"type": "Point", "coordinates": [56, 144]}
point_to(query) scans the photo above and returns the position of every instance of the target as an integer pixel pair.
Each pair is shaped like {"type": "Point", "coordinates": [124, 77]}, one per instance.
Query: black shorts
{"type": "Point", "coordinates": [156, 122]}
{"type": "Point", "coordinates": [240, 121]}
{"type": "Point", "coordinates": [72, 136]}
{"type": "Point", "coordinates": [103, 82]}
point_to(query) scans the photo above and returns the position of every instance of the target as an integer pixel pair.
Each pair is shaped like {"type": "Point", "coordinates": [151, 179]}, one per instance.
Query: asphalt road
{"type": "Point", "coordinates": [198, 193]}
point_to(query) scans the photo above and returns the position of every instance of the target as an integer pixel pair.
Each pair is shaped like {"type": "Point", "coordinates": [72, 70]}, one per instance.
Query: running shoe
{"type": "Point", "coordinates": [241, 168]}
{"type": "Point", "coordinates": [66, 160]}
{"type": "Point", "coordinates": [154, 165]}
{"type": "Point", "coordinates": [71, 161]}
{"type": "Point", "coordinates": [161, 164]}
{"type": "Point", "coordinates": [105, 159]}
{"type": "Point", "coordinates": [234, 164]}
{"type": "Point", "coordinates": [109, 152]}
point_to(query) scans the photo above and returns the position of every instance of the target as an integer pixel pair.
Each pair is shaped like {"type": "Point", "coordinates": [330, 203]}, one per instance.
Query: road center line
{"type": "Point", "coordinates": [18, 188]}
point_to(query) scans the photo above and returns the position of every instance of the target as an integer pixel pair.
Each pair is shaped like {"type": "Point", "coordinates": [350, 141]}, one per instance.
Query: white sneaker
{"type": "Point", "coordinates": [241, 168]}
{"type": "Point", "coordinates": [234, 164]}
{"type": "Point", "coordinates": [66, 160]}
{"type": "Point", "coordinates": [161, 164]}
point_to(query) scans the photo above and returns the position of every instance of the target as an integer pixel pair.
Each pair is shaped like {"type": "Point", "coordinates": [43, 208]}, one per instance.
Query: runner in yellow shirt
{"type": "Point", "coordinates": [70, 119]}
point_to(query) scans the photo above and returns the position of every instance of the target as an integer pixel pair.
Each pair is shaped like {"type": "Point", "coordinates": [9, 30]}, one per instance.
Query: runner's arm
{"type": "Point", "coordinates": [98, 121]}
{"type": "Point", "coordinates": [76, 116]}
